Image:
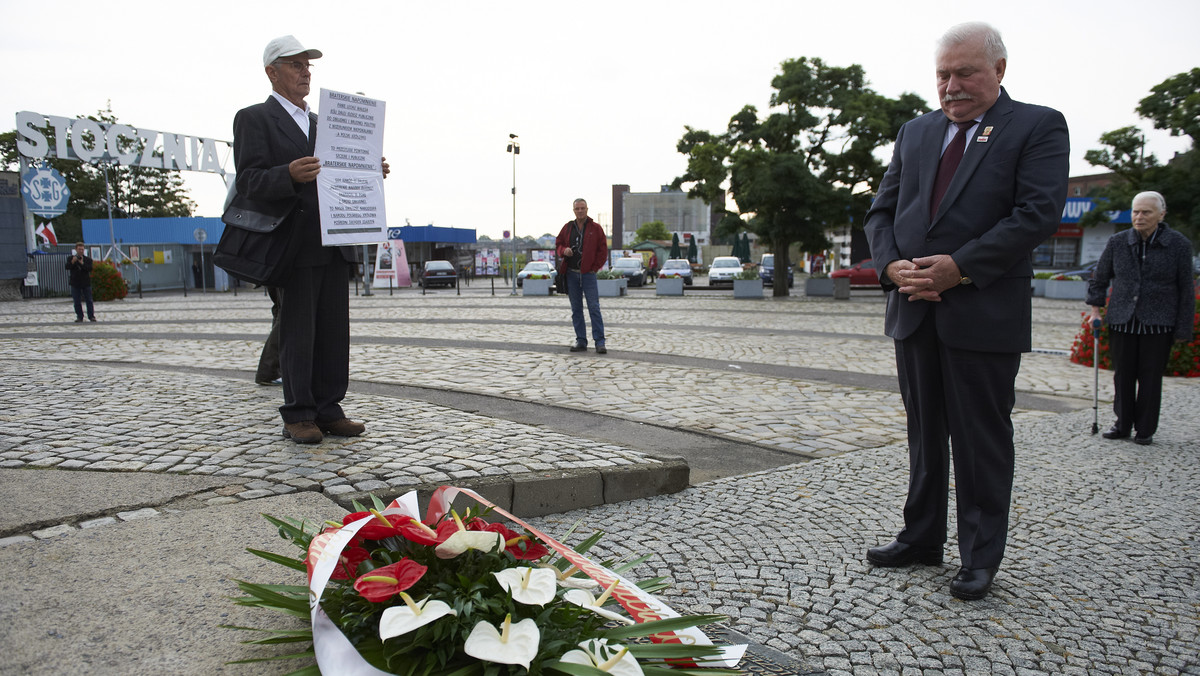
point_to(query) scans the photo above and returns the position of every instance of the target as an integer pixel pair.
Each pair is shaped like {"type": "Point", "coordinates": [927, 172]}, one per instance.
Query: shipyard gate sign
{"type": "Point", "coordinates": [91, 141]}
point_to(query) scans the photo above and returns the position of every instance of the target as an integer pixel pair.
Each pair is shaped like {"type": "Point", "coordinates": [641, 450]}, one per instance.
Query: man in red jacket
{"type": "Point", "coordinates": [583, 250]}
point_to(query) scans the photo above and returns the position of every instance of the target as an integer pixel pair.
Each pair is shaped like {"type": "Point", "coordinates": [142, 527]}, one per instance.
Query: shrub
{"type": "Point", "coordinates": [746, 274]}
{"type": "Point", "coordinates": [607, 274]}
{"type": "Point", "coordinates": [107, 282]}
{"type": "Point", "coordinates": [1184, 361]}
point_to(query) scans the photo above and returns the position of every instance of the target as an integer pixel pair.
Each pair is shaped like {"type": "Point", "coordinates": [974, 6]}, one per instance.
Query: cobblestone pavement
{"type": "Point", "coordinates": [1101, 571]}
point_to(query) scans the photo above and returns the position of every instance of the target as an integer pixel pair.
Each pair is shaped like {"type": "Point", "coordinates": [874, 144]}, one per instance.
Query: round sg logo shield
{"type": "Point", "coordinates": [46, 192]}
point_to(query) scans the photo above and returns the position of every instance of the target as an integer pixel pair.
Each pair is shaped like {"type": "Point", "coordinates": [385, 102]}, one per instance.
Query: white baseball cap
{"type": "Point", "coordinates": [287, 45]}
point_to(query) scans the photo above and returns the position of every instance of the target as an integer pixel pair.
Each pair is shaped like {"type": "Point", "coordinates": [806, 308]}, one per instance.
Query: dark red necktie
{"type": "Point", "coordinates": [947, 166]}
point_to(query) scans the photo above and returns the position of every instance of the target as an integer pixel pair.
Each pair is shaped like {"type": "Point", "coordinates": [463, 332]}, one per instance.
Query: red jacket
{"type": "Point", "coordinates": [594, 249]}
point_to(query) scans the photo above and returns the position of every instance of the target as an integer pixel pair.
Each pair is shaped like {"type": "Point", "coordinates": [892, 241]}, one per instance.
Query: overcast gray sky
{"type": "Point", "coordinates": [598, 93]}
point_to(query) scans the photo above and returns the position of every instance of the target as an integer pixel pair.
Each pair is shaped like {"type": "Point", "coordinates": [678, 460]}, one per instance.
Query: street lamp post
{"type": "Point", "coordinates": [514, 147]}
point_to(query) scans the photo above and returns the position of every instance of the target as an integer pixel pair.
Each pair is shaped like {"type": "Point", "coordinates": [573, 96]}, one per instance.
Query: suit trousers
{"type": "Point", "coordinates": [314, 342]}
{"type": "Point", "coordinates": [1139, 361]}
{"type": "Point", "coordinates": [963, 397]}
{"type": "Point", "coordinates": [268, 359]}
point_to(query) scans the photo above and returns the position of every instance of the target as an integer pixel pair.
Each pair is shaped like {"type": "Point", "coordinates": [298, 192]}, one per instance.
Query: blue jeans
{"type": "Point", "coordinates": [579, 286]}
{"type": "Point", "coordinates": [83, 294]}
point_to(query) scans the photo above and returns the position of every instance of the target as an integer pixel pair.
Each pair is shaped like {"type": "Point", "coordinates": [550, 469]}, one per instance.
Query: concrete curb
{"type": "Point", "coordinates": [541, 493]}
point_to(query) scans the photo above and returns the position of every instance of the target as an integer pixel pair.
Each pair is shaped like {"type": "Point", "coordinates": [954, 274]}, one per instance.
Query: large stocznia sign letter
{"type": "Point", "coordinates": [88, 141]}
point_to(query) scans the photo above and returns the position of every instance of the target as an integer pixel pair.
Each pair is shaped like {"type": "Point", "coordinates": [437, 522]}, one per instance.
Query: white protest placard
{"type": "Point", "coordinates": [350, 185]}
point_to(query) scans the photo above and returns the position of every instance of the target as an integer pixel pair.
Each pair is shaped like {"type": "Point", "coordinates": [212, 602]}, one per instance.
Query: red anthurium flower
{"type": "Point", "coordinates": [347, 566]}
{"type": "Point", "coordinates": [383, 583]}
{"type": "Point", "coordinates": [422, 534]}
{"type": "Point", "coordinates": [521, 546]}
{"type": "Point", "coordinates": [383, 525]}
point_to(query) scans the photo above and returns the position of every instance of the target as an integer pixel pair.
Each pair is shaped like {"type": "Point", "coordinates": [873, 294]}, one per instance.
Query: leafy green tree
{"type": "Point", "coordinates": [136, 191]}
{"type": "Point", "coordinates": [805, 167]}
{"type": "Point", "coordinates": [651, 230]}
{"type": "Point", "coordinates": [1174, 105]}
{"type": "Point", "coordinates": [1124, 156]}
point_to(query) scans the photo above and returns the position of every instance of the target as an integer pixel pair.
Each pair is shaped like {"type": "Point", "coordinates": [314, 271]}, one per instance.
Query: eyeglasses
{"type": "Point", "coordinates": [297, 65]}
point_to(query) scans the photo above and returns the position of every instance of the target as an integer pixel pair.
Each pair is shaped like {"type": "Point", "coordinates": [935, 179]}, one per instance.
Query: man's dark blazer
{"type": "Point", "coordinates": [314, 347]}
{"type": "Point", "coordinates": [266, 140]}
{"type": "Point", "coordinates": [1006, 197]}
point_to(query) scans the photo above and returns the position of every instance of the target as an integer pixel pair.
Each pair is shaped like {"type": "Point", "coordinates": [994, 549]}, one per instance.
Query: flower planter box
{"type": "Point", "coordinates": [668, 286]}
{"type": "Point", "coordinates": [818, 287]}
{"type": "Point", "coordinates": [1039, 287]}
{"type": "Point", "coordinates": [610, 287]}
{"type": "Point", "coordinates": [747, 288]}
{"type": "Point", "coordinates": [536, 287]}
{"type": "Point", "coordinates": [1066, 289]}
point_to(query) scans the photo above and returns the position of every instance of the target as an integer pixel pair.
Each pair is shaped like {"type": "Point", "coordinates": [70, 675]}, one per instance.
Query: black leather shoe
{"type": "Point", "coordinates": [1115, 433]}
{"type": "Point", "coordinates": [579, 347]}
{"type": "Point", "coordinates": [972, 584]}
{"type": "Point", "coordinates": [601, 350]}
{"type": "Point", "coordinates": [897, 554]}
{"type": "Point", "coordinates": [1143, 441]}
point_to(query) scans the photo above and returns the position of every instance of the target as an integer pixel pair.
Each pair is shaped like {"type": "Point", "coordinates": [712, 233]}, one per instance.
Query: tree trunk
{"type": "Point", "coordinates": [779, 288]}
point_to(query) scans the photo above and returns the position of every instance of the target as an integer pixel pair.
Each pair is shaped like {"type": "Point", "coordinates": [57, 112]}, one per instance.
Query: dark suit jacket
{"type": "Point", "coordinates": [1006, 198]}
{"type": "Point", "coordinates": [265, 140]}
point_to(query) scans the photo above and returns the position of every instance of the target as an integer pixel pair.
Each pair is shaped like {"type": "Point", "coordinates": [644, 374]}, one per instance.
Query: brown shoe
{"type": "Point", "coordinates": [342, 428]}
{"type": "Point", "coordinates": [303, 432]}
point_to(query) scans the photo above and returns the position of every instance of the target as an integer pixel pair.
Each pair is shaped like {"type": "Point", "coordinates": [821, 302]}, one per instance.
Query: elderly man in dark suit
{"type": "Point", "coordinates": [1152, 305]}
{"type": "Point", "coordinates": [970, 191]}
{"type": "Point", "coordinates": [273, 146]}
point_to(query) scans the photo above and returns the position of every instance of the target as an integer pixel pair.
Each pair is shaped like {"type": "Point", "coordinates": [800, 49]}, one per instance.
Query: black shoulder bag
{"type": "Point", "coordinates": [254, 247]}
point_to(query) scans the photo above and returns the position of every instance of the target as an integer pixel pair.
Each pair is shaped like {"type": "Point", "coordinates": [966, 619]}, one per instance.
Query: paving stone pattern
{"type": "Point", "coordinates": [1101, 571]}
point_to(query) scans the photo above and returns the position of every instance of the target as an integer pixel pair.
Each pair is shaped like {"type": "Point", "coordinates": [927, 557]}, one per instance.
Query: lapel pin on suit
{"type": "Point", "coordinates": [983, 138]}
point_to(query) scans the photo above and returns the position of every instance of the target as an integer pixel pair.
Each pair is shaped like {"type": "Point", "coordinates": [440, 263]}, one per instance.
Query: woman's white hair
{"type": "Point", "coordinates": [1162, 202]}
{"type": "Point", "coordinates": [993, 44]}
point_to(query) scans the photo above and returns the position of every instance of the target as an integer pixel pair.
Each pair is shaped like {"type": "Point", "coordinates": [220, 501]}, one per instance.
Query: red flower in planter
{"type": "Point", "coordinates": [383, 583]}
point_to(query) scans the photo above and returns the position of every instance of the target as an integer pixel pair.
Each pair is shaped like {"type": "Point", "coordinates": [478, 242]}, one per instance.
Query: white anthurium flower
{"type": "Point", "coordinates": [399, 620]}
{"type": "Point", "coordinates": [509, 644]}
{"type": "Point", "coordinates": [613, 659]}
{"type": "Point", "coordinates": [484, 541]}
{"type": "Point", "coordinates": [567, 581]}
{"type": "Point", "coordinates": [531, 586]}
{"type": "Point", "coordinates": [584, 598]}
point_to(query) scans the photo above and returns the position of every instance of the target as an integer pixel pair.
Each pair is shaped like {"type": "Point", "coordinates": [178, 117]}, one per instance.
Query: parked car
{"type": "Point", "coordinates": [724, 269]}
{"type": "Point", "coordinates": [1083, 271]}
{"type": "Point", "coordinates": [631, 269]}
{"type": "Point", "coordinates": [861, 273]}
{"type": "Point", "coordinates": [766, 271]}
{"type": "Point", "coordinates": [536, 268]}
{"type": "Point", "coordinates": [677, 267]}
{"type": "Point", "coordinates": [438, 273]}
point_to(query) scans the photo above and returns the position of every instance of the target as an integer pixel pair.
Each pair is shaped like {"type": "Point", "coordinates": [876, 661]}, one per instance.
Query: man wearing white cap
{"type": "Point", "coordinates": [273, 146]}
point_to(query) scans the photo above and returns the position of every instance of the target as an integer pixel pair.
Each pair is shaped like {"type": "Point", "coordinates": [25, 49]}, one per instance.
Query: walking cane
{"type": "Point", "coordinates": [1095, 376]}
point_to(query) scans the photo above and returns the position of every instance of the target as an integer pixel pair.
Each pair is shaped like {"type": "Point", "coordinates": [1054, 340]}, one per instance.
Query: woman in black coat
{"type": "Point", "coordinates": [1152, 305]}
